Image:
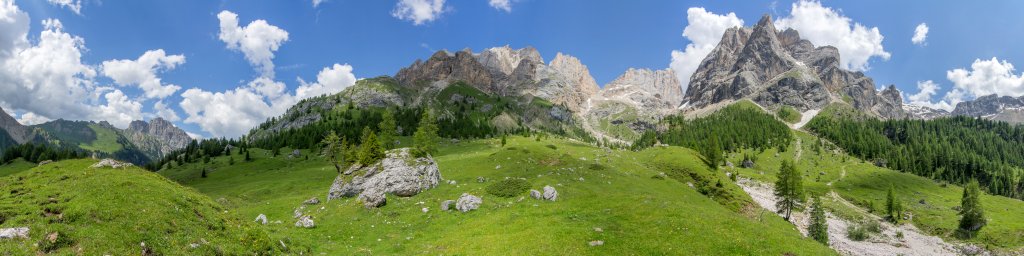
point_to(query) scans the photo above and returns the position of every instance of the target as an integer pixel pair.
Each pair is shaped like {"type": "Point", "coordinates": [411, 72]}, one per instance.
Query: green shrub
{"type": "Point", "coordinates": [552, 147]}
{"type": "Point", "coordinates": [508, 187]}
{"type": "Point", "coordinates": [856, 233]}
{"type": "Point", "coordinates": [597, 167]}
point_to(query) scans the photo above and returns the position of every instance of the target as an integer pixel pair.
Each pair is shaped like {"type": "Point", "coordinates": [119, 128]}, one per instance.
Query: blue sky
{"type": "Point", "coordinates": [607, 36]}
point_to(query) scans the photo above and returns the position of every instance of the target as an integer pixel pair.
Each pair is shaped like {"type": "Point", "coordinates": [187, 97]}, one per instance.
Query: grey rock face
{"type": "Point", "coordinates": [550, 193]}
{"type": "Point", "coordinates": [994, 107]}
{"type": "Point", "coordinates": [776, 68]}
{"type": "Point", "coordinates": [158, 135]}
{"type": "Point", "coordinates": [399, 174]}
{"type": "Point", "coordinates": [645, 89]}
{"type": "Point", "coordinates": [447, 205]}
{"type": "Point", "coordinates": [445, 66]}
{"type": "Point", "coordinates": [18, 132]}
{"type": "Point", "coordinates": [468, 202]}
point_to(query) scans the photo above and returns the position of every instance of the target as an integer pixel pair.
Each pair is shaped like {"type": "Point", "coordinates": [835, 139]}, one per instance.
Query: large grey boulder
{"type": "Point", "coordinates": [398, 174]}
{"type": "Point", "coordinates": [468, 202]}
{"type": "Point", "coordinates": [111, 163]}
{"type": "Point", "coordinates": [550, 193]}
{"type": "Point", "coordinates": [747, 163]}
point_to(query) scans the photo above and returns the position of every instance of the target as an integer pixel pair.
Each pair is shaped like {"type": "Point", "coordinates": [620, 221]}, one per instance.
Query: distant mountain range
{"type": "Point", "coordinates": [140, 143]}
{"type": "Point", "coordinates": [769, 67]}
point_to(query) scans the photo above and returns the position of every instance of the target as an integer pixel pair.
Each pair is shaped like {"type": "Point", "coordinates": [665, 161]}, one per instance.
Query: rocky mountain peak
{"type": "Point", "coordinates": [158, 135]}
{"type": "Point", "coordinates": [504, 59]}
{"type": "Point", "coordinates": [776, 68]}
{"type": "Point", "coordinates": [18, 132]}
{"type": "Point", "coordinates": [646, 89]}
{"type": "Point", "coordinates": [995, 107]}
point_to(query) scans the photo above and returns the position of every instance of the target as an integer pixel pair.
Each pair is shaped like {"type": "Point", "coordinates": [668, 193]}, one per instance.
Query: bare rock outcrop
{"type": "Point", "coordinates": [399, 174]}
{"type": "Point", "coordinates": [158, 136]}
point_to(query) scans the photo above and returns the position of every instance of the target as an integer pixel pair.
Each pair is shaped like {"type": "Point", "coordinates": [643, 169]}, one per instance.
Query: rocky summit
{"type": "Point", "coordinates": [775, 68]}
{"type": "Point", "coordinates": [158, 135]}
{"type": "Point", "coordinates": [994, 107]}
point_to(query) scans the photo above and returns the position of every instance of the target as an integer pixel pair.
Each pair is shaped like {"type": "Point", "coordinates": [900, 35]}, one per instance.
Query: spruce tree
{"type": "Point", "coordinates": [789, 189]}
{"type": "Point", "coordinates": [892, 206]}
{"type": "Point", "coordinates": [388, 129]}
{"type": "Point", "coordinates": [425, 139]}
{"type": "Point", "coordinates": [370, 151]}
{"type": "Point", "coordinates": [713, 152]}
{"type": "Point", "coordinates": [818, 230]}
{"type": "Point", "coordinates": [247, 158]}
{"type": "Point", "coordinates": [971, 212]}
{"type": "Point", "coordinates": [504, 137]}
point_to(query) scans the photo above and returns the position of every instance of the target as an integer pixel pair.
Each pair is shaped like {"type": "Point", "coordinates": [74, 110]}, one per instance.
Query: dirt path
{"type": "Point", "coordinates": [914, 242]}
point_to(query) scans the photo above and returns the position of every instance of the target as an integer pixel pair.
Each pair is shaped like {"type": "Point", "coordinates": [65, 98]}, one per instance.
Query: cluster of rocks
{"type": "Point", "coordinates": [111, 163]}
{"type": "Point", "coordinates": [398, 174]}
{"type": "Point", "coordinates": [549, 194]}
{"type": "Point", "coordinates": [465, 203]}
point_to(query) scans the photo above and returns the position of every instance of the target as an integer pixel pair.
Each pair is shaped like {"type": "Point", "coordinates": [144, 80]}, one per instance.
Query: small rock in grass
{"type": "Point", "coordinates": [598, 230]}
{"type": "Point", "coordinates": [261, 219]}
{"type": "Point", "coordinates": [11, 233]}
{"type": "Point", "coordinates": [468, 202]}
{"type": "Point", "coordinates": [447, 204]}
{"type": "Point", "coordinates": [550, 193]}
{"type": "Point", "coordinates": [451, 182]}
{"type": "Point", "coordinates": [536, 194]}
{"type": "Point", "coordinates": [481, 179]}
{"type": "Point", "coordinates": [312, 201]}
{"type": "Point", "coordinates": [305, 222]}
{"type": "Point", "coordinates": [425, 209]}
{"type": "Point", "coordinates": [596, 243]}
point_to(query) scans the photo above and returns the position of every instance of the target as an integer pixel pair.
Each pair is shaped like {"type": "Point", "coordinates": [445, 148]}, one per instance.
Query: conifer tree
{"type": "Point", "coordinates": [388, 129]}
{"type": "Point", "coordinates": [247, 158]}
{"type": "Point", "coordinates": [504, 137]}
{"type": "Point", "coordinates": [789, 189]}
{"type": "Point", "coordinates": [892, 206]}
{"type": "Point", "coordinates": [370, 150]}
{"type": "Point", "coordinates": [425, 139]}
{"type": "Point", "coordinates": [713, 152]}
{"type": "Point", "coordinates": [971, 212]}
{"type": "Point", "coordinates": [818, 230]}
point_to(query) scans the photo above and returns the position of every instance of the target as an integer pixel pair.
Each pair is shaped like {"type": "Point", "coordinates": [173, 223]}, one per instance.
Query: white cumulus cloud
{"type": "Point", "coordinates": [704, 29]}
{"type": "Point", "coordinates": [142, 72]}
{"type": "Point", "coordinates": [232, 113]}
{"type": "Point", "coordinates": [920, 34]}
{"type": "Point", "coordinates": [926, 90]}
{"type": "Point", "coordinates": [418, 11]}
{"type": "Point", "coordinates": [258, 40]}
{"type": "Point", "coordinates": [318, 2]}
{"type": "Point", "coordinates": [825, 26]}
{"type": "Point", "coordinates": [73, 5]}
{"type": "Point", "coordinates": [504, 5]}
{"type": "Point", "coordinates": [986, 77]}
{"type": "Point", "coordinates": [330, 80]}
{"type": "Point", "coordinates": [165, 112]}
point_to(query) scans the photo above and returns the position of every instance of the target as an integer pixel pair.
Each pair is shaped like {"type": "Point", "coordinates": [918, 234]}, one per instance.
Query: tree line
{"type": "Point", "coordinates": [954, 149]}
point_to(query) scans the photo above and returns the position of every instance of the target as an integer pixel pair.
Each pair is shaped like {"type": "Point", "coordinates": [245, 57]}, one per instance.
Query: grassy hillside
{"type": "Point", "coordinates": [931, 203]}
{"type": "Point", "coordinates": [16, 166]}
{"type": "Point", "coordinates": [620, 192]}
{"type": "Point", "coordinates": [72, 208]}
